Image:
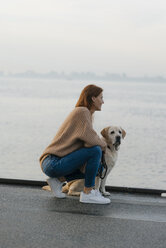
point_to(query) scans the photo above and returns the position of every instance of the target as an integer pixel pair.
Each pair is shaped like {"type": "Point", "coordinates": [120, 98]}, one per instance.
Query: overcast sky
{"type": "Point", "coordinates": [113, 36]}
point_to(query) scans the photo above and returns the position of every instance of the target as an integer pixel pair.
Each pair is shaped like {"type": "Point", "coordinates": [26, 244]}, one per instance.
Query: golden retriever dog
{"type": "Point", "coordinates": [113, 136]}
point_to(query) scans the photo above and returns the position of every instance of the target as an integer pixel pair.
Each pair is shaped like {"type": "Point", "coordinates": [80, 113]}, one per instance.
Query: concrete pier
{"type": "Point", "coordinates": [31, 218]}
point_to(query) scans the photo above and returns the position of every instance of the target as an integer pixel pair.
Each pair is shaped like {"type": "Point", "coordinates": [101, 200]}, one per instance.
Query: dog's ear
{"type": "Point", "coordinates": [104, 132]}
{"type": "Point", "coordinates": [123, 133]}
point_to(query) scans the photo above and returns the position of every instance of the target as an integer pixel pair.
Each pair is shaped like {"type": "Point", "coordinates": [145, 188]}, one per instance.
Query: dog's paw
{"type": "Point", "coordinates": [106, 193]}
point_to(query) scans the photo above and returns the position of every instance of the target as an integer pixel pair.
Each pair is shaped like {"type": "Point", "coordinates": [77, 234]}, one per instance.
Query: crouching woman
{"type": "Point", "coordinates": [77, 144]}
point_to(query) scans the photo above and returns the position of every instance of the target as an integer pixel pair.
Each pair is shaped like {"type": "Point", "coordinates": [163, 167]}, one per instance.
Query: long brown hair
{"type": "Point", "coordinates": [85, 99]}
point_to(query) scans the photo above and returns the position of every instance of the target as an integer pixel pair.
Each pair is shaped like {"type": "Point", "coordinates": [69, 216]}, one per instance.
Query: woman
{"type": "Point", "coordinates": [75, 145]}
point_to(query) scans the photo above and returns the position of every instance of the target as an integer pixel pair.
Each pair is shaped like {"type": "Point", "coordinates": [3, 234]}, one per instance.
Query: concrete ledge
{"type": "Point", "coordinates": [109, 188]}
{"type": "Point", "coordinates": [22, 182]}
{"type": "Point", "coordinates": [136, 190]}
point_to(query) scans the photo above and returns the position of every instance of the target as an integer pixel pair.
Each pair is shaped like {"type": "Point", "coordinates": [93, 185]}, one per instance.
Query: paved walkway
{"type": "Point", "coordinates": [32, 218]}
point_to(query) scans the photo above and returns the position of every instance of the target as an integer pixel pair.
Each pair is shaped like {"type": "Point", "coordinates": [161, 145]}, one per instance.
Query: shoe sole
{"type": "Point", "coordinates": [95, 202]}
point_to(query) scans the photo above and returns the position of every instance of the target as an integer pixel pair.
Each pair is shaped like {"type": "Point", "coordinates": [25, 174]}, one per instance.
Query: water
{"type": "Point", "coordinates": [31, 111]}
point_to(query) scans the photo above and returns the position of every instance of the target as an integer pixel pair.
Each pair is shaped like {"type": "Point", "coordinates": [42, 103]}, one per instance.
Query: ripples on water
{"type": "Point", "coordinates": [32, 111]}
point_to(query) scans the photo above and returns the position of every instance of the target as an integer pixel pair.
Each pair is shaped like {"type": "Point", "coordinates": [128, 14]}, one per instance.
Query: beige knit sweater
{"type": "Point", "coordinates": [75, 132]}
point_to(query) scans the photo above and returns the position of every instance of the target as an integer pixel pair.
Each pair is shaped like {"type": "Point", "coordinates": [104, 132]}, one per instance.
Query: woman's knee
{"type": "Point", "coordinates": [96, 150]}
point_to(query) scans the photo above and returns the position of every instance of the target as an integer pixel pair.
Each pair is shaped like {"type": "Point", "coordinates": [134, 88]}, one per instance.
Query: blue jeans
{"type": "Point", "coordinates": [69, 165]}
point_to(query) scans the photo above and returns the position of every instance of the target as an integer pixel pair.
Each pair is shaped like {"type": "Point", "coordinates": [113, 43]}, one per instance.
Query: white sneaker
{"type": "Point", "coordinates": [56, 187]}
{"type": "Point", "coordinates": [94, 197]}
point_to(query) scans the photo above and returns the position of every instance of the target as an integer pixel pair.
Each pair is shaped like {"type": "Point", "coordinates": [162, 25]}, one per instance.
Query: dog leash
{"type": "Point", "coordinates": [104, 166]}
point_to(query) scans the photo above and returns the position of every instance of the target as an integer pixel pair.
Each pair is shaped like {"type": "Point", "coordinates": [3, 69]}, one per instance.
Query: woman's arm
{"type": "Point", "coordinates": [88, 134]}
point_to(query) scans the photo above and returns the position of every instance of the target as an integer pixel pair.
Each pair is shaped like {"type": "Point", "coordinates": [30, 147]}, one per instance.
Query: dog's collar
{"type": "Point", "coordinates": [111, 148]}
{"type": "Point", "coordinates": [108, 147]}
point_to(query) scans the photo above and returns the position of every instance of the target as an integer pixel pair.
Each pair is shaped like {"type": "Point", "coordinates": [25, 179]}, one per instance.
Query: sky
{"type": "Point", "coordinates": [122, 36]}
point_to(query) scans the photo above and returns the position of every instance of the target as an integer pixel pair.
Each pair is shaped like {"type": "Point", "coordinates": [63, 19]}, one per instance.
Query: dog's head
{"type": "Point", "coordinates": [113, 136]}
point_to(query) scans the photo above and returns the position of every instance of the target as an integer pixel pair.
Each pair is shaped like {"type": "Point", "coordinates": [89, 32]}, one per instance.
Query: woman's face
{"type": "Point", "coordinates": [97, 102]}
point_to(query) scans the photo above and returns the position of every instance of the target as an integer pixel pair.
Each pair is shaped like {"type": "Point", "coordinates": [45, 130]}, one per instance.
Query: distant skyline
{"type": "Point", "coordinates": [81, 35]}
{"type": "Point", "coordinates": [83, 76]}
